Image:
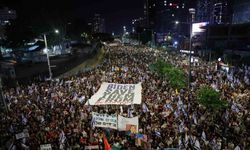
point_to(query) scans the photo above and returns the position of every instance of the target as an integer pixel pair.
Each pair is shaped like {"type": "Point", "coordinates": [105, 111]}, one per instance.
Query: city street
{"type": "Point", "coordinates": [167, 117]}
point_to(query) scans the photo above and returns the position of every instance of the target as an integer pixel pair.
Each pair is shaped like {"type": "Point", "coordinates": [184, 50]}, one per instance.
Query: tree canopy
{"type": "Point", "coordinates": [210, 98]}
{"type": "Point", "coordinates": [175, 76]}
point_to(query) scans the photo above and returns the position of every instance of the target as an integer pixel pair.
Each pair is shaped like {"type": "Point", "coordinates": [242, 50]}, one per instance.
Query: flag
{"type": "Point", "coordinates": [176, 91]}
{"type": "Point", "coordinates": [93, 122]}
{"type": "Point", "coordinates": [24, 120]}
{"type": "Point", "coordinates": [186, 140]}
{"type": "Point", "coordinates": [130, 114]}
{"type": "Point", "coordinates": [197, 145]}
{"type": "Point", "coordinates": [62, 137]}
{"type": "Point", "coordinates": [181, 145]}
{"type": "Point", "coordinates": [157, 133]}
{"type": "Point", "coordinates": [237, 148]}
{"type": "Point", "coordinates": [106, 143]}
{"type": "Point", "coordinates": [203, 136]}
{"type": "Point", "coordinates": [235, 108]}
{"type": "Point", "coordinates": [194, 118]}
{"type": "Point", "coordinates": [145, 108]}
{"type": "Point", "coordinates": [12, 146]}
{"type": "Point", "coordinates": [168, 106]}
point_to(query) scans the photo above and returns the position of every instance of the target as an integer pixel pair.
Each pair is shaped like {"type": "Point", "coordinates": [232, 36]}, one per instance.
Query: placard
{"type": "Point", "coordinates": [104, 120]}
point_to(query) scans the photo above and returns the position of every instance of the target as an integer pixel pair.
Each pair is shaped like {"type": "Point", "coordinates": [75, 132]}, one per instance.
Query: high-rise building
{"type": "Point", "coordinates": [6, 15]}
{"type": "Point", "coordinates": [214, 11]}
{"type": "Point", "coordinates": [98, 24]}
{"type": "Point", "coordinates": [150, 12]}
{"type": "Point", "coordinates": [241, 11]}
{"type": "Point", "coordinates": [161, 15]}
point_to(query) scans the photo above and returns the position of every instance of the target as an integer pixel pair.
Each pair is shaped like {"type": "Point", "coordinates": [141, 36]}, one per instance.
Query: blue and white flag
{"type": "Point", "coordinates": [197, 145]}
{"type": "Point", "coordinates": [62, 137]}
{"type": "Point", "coordinates": [130, 113]}
{"type": "Point", "coordinates": [203, 136]}
{"type": "Point", "coordinates": [237, 148]}
{"type": "Point", "coordinates": [194, 118]}
{"type": "Point", "coordinates": [24, 120]}
{"type": "Point", "coordinates": [157, 133]}
{"type": "Point", "coordinates": [145, 108]}
{"type": "Point", "coordinates": [186, 140]}
{"type": "Point", "coordinates": [93, 121]}
{"type": "Point", "coordinates": [12, 146]}
{"type": "Point", "coordinates": [235, 108]}
{"type": "Point", "coordinates": [168, 106]}
{"type": "Point", "coordinates": [181, 144]}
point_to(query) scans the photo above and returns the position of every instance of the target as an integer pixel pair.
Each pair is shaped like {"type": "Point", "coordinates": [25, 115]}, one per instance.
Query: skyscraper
{"type": "Point", "coordinates": [241, 13]}
{"type": "Point", "coordinates": [161, 15]}
{"type": "Point", "coordinates": [214, 11]}
{"type": "Point", "coordinates": [150, 13]}
{"type": "Point", "coordinates": [98, 24]}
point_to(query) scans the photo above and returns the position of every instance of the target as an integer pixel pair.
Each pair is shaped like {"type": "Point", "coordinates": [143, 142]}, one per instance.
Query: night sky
{"type": "Point", "coordinates": [115, 12]}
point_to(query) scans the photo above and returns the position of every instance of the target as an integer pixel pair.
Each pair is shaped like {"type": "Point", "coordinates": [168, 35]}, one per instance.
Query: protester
{"type": "Point", "coordinates": [53, 112]}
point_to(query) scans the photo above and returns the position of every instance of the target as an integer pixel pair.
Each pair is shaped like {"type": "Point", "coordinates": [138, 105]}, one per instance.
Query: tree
{"type": "Point", "coordinates": [210, 98]}
{"type": "Point", "coordinates": [175, 76]}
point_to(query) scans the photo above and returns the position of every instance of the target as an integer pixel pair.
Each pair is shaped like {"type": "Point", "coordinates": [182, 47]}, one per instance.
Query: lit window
{"type": "Point", "coordinates": [165, 4]}
{"type": "Point", "coordinates": [172, 15]}
{"type": "Point", "coordinates": [170, 4]}
{"type": "Point", "coordinates": [177, 6]}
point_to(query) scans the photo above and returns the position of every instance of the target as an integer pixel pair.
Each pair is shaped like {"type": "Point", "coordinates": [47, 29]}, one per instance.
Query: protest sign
{"type": "Point", "coordinates": [128, 124]}
{"type": "Point", "coordinates": [92, 147]}
{"type": "Point", "coordinates": [22, 135]}
{"type": "Point", "coordinates": [46, 147]}
{"type": "Point", "coordinates": [116, 94]}
{"type": "Point", "coordinates": [104, 120]}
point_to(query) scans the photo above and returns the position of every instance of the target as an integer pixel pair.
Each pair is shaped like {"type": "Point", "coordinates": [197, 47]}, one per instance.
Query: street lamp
{"type": "Point", "coordinates": [56, 31]}
{"type": "Point", "coordinates": [47, 53]}
{"type": "Point", "coordinates": [176, 22]}
{"type": "Point", "coordinates": [192, 12]}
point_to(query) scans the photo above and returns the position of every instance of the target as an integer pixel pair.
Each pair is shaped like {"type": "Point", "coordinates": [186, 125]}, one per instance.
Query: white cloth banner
{"type": "Point", "coordinates": [45, 147]}
{"type": "Point", "coordinates": [128, 124]}
{"type": "Point", "coordinates": [104, 120]}
{"type": "Point", "coordinates": [116, 94]}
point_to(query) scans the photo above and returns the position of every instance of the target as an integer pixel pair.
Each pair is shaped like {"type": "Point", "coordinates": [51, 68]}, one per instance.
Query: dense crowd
{"type": "Point", "coordinates": [53, 112]}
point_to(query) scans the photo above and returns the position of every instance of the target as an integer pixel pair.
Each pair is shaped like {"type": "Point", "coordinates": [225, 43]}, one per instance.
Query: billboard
{"type": "Point", "coordinates": [198, 28]}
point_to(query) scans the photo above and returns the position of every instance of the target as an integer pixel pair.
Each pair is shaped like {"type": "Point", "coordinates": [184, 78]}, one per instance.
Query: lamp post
{"type": "Point", "coordinates": [47, 53]}
{"type": "Point", "coordinates": [192, 12]}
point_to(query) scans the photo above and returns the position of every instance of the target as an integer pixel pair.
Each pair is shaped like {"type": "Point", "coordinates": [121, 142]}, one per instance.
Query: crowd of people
{"type": "Point", "coordinates": [54, 112]}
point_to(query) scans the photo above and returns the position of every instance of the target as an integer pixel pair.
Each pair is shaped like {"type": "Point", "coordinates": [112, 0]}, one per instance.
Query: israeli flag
{"type": "Point", "coordinates": [203, 136]}
{"type": "Point", "coordinates": [235, 108]}
{"type": "Point", "coordinates": [145, 108]}
{"type": "Point", "coordinates": [62, 137]}
{"type": "Point", "coordinates": [157, 133]}
{"type": "Point", "coordinates": [130, 113]}
{"type": "Point", "coordinates": [186, 140]}
{"type": "Point", "coordinates": [24, 120]}
{"type": "Point", "coordinates": [197, 145]}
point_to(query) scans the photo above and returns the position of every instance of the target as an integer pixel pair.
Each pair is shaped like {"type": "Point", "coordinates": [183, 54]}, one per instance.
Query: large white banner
{"type": "Point", "coordinates": [128, 124]}
{"type": "Point", "coordinates": [116, 94]}
{"type": "Point", "coordinates": [104, 120]}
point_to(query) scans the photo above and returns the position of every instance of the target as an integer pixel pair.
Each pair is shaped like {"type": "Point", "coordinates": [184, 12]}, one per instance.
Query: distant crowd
{"type": "Point", "coordinates": [54, 112]}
